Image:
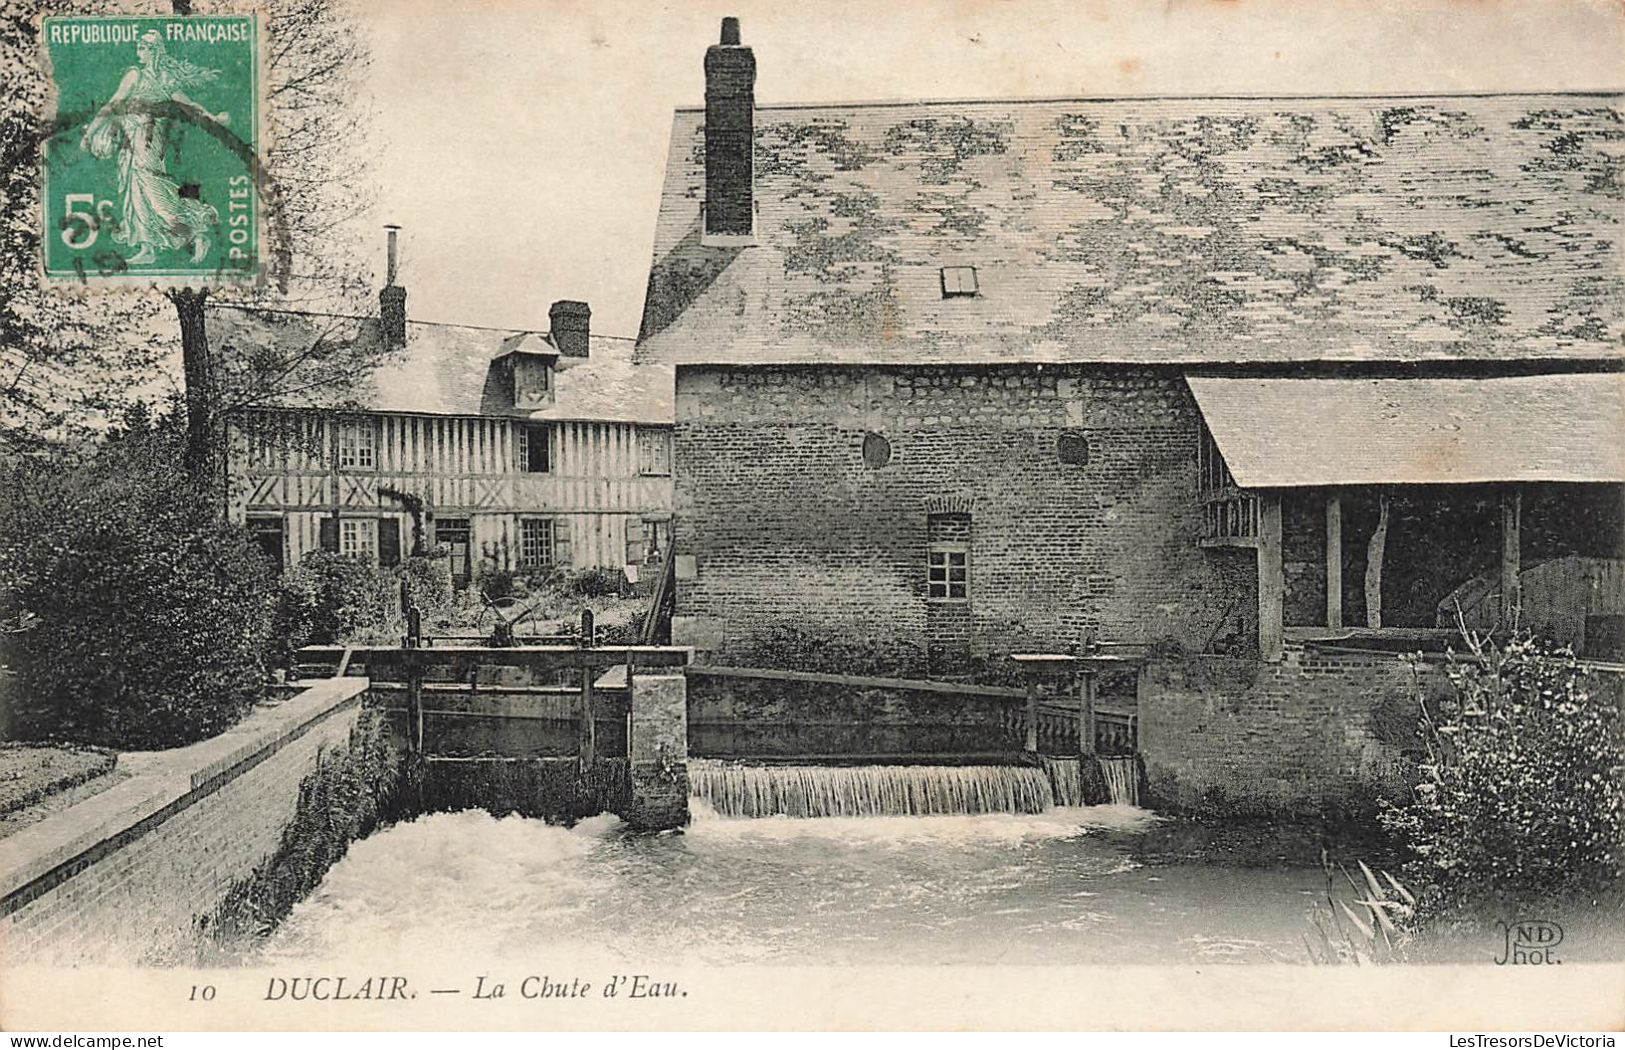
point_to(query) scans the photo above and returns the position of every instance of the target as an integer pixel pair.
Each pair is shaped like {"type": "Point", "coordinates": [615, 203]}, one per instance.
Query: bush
{"type": "Point", "coordinates": [1521, 793]}
{"type": "Point", "coordinates": [149, 616]}
{"type": "Point", "coordinates": [428, 582]}
{"type": "Point", "coordinates": [338, 598]}
{"type": "Point", "coordinates": [594, 583]}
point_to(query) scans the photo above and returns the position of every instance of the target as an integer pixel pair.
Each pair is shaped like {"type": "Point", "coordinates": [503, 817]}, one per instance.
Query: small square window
{"type": "Point", "coordinates": [536, 549]}
{"type": "Point", "coordinates": [948, 574]}
{"type": "Point", "coordinates": [654, 452]}
{"type": "Point", "coordinates": [358, 538]}
{"type": "Point", "coordinates": [358, 445]}
{"type": "Point", "coordinates": [958, 281]}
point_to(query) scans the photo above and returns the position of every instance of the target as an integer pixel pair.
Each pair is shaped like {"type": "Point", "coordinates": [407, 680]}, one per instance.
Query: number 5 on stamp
{"type": "Point", "coordinates": [151, 170]}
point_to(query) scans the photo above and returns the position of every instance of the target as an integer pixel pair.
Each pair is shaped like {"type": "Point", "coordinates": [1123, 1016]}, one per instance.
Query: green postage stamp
{"type": "Point", "coordinates": [151, 171]}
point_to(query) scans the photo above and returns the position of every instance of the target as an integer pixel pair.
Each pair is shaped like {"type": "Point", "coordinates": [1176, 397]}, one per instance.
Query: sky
{"type": "Point", "coordinates": [520, 144]}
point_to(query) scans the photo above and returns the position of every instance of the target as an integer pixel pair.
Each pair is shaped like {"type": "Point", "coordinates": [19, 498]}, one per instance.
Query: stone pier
{"type": "Point", "coordinates": [658, 752]}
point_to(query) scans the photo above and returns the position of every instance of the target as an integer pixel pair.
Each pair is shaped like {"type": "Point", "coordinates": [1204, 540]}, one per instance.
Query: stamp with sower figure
{"type": "Point", "coordinates": [151, 172]}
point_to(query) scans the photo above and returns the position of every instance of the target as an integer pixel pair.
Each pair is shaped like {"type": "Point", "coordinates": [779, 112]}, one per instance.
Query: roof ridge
{"type": "Point", "coordinates": [1227, 96]}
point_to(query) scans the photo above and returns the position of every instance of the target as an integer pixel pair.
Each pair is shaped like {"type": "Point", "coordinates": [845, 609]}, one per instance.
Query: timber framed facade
{"type": "Point", "coordinates": [514, 451]}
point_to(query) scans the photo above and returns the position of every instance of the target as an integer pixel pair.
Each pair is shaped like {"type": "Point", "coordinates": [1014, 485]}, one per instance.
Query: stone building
{"type": "Point", "coordinates": [518, 450]}
{"type": "Point", "coordinates": [960, 379]}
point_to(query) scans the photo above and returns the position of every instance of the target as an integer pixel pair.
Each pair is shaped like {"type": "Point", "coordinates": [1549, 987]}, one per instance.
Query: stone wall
{"type": "Point", "coordinates": [127, 875]}
{"type": "Point", "coordinates": [806, 554]}
{"type": "Point", "coordinates": [1320, 733]}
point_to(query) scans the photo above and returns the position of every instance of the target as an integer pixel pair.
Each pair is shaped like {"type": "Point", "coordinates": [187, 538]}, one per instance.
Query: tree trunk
{"type": "Point", "coordinates": [1373, 566]}
{"type": "Point", "coordinates": [199, 372]}
{"type": "Point", "coordinates": [198, 369]}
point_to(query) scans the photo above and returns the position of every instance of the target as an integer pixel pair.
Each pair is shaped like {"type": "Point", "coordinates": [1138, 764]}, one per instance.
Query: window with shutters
{"type": "Point", "coordinates": [358, 538]}
{"type": "Point", "coordinates": [536, 549]}
{"type": "Point", "coordinates": [947, 570]}
{"type": "Point", "coordinates": [654, 452]}
{"type": "Point", "coordinates": [534, 448]}
{"type": "Point", "coordinates": [358, 445]}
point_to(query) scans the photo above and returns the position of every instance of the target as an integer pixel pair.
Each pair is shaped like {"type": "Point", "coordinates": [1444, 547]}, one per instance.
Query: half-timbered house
{"type": "Point", "coordinates": [516, 450]}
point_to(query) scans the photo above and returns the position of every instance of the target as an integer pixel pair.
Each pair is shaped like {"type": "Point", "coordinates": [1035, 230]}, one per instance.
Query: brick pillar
{"type": "Point", "coordinates": [658, 752]}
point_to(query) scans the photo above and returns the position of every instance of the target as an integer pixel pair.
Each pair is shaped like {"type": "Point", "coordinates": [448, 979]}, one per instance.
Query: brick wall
{"type": "Point", "coordinates": [1318, 733]}
{"type": "Point", "coordinates": [799, 544]}
{"type": "Point", "coordinates": [123, 876]}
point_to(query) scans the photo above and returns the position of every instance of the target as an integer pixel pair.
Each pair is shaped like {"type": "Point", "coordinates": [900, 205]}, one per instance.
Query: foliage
{"type": "Point", "coordinates": [790, 647]}
{"type": "Point", "coordinates": [1376, 927]}
{"type": "Point", "coordinates": [149, 615]}
{"type": "Point", "coordinates": [593, 583]}
{"type": "Point", "coordinates": [337, 597]}
{"type": "Point", "coordinates": [1522, 790]}
{"type": "Point", "coordinates": [427, 582]}
{"type": "Point", "coordinates": [349, 794]}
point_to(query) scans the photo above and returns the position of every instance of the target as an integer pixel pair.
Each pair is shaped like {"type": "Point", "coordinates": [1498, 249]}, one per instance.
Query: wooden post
{"type": "Point", "coordinates": [1271, 581]}
{"type": "Point", "coordinates": [414, 706]}
{"type": "Point", "coordinates": [1032, 711]}
{"type": "Point", "coordinates": [1334, 561]}
{"type": "Point", "coordinates": [1511, 557]}
{"type": "Point", "coordinates": [1373, 565]}
{"type": "Point", "coordinates": [1086, 714]}
{"type": "Point", "coordinates": [588, 730]}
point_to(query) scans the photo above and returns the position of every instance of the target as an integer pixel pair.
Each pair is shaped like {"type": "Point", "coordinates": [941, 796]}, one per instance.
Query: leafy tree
{"type": "Point", "coordinates": [140, 619]}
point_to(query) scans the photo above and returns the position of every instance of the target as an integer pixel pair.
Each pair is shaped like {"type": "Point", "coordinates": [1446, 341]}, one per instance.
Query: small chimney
{"type": "Point", "coordinates": [730, 104]}
{"type": "Point", "coordinates": [392, 301]}
{"type": "Point", "coordinates": [571, 323]}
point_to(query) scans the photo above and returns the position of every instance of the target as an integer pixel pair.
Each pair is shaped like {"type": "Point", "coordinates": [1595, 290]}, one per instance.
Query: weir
{"type": "Point", "coordinates": [738, 789]}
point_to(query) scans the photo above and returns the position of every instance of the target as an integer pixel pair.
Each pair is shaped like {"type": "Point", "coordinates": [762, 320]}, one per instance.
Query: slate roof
{"type": "Point", "coordinates": [1292, 432]}
{"type": "Point", "coordinates": [1157, 230]}
{"type": "Point", "coordinates": [448, 369]}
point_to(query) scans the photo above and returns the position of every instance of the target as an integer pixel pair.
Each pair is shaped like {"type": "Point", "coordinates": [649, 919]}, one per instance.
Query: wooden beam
{"type": "Point", "coordinates": [1334, 561]}
{"type": "Point", "coordinates": [1032, 713]}
{"type": "Point", "coordinates": [1271, 580]}
{"type": "Point", "coordinates": [1511, 557]}
{"type": "Point", "coordinates": [1373, 565]}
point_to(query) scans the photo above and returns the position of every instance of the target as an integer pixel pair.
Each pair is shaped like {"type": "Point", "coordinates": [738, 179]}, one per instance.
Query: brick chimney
{"type": "Point", "coordinates": [571, 323]}
{"type": "Point", "coordinates": [730, 104]}
{"type": "Point", "coordinates": [392, 301]}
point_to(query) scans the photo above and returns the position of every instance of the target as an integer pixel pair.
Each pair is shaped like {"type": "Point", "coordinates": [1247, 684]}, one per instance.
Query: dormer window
{"type": "Point", "coordinates": [958, 281]}
{"type": "Point", "coordinates": [532, 380]}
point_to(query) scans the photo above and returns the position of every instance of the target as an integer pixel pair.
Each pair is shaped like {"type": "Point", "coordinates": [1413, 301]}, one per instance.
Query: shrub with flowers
{"type": "Point", "coordinates": [1522, 792]}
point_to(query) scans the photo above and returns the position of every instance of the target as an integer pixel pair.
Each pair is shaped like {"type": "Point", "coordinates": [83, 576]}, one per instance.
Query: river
{"type": "Point", "coordinates": [1061, 886]}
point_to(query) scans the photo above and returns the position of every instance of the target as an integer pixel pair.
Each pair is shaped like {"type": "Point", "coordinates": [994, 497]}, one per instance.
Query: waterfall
{"type": "Point", "coordinates": [1122, 774]}
{"type": "Point", "coordinates": [1065, 780]}
{"type": "Point", "coordinates": [735, 790]}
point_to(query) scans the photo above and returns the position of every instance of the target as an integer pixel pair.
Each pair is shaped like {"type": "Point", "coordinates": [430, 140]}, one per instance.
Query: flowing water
{"type": "Point", "coordinates": [903, 865]}
{"type": "Point", "coordinates": [736, 790]}
{"type": "Point", "coordinates": [1060, 886]}
{"type": "Point", "coordinates": [1122, 775]}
